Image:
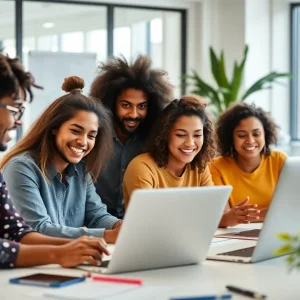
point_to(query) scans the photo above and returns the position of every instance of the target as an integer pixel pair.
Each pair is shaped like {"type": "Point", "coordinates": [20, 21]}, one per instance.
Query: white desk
{"type": "Point", "coordinates": [269, 277]}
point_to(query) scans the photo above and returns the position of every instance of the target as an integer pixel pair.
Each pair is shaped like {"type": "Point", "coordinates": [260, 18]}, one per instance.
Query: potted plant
{"type": "Point", "coordinates": [291, 246]}
{"type": "Point", "coordinates": [228, 89]}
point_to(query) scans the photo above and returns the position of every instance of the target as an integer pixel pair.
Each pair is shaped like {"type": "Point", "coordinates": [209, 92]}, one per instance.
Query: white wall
{"type": "Point", "coordinates": [171, 49]}
{"type": "Point", "coordinates": [280, 60]}
{"type": "Point", "coordinates": [258, 37]}
{"type": "Point", "coordinates": [268, 34]}
{"type": "Point", "coordinates": [264, 26]}
{"type": "Point", "coordinates": [230, 30]}
{"type": "Point", "coordinates": [216, 23]}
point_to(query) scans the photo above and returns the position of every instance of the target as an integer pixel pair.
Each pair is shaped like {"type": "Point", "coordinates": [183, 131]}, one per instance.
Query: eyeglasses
{"type": "Point", "coordinates": [16, 112]}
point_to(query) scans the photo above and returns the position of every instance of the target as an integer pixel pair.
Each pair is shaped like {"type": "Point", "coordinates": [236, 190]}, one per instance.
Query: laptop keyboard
{"type": "Point", "coordinates": [104, 263]}
{"type": "Point", "coordinates": [249, 233]}
{"type": "Point", "coordinates": [253, 233]}
{"type": "Point", "coordinates": [246, 252]}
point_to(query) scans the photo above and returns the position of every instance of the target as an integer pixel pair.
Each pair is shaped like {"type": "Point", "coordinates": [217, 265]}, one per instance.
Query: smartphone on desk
{"type": "Point", "coordinates": [48, 280]}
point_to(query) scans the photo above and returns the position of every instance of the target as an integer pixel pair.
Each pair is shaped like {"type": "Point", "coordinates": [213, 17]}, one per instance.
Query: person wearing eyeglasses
{"type": "Point", "coordinates": [6, 124]}
{"type": "Point", "coordinates": [18, 84]}
{"type": "Point", "coordinates": [20, 246]}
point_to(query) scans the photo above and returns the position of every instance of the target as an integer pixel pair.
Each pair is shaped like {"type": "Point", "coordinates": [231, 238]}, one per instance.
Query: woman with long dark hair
{"type": "Point", "coordinates": [50, 171]}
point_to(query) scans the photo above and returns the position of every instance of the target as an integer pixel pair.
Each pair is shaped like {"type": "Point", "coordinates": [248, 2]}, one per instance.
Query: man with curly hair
{"type": "Point", "coordinates": [135, 93]}
{"type": "Point", "coordinates": [245, 133]}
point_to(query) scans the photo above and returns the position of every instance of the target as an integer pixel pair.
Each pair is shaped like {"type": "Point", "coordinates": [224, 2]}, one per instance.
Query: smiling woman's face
{"type": "Point", "coordinates": [76, 138]}
{"type": "Point", "coordinates": [185, 140]}
{"type": "Point", "coordinates": [249, 138]}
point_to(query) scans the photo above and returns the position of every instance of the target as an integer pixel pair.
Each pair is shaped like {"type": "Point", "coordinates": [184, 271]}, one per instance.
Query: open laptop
{"type": "Point", "coordinates": [282, 216]}
{"type": "Point", "coordinates": [166, 228]}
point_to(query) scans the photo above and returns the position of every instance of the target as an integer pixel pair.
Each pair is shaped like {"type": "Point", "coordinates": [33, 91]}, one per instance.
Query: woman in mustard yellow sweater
{"type": "Point", "coordinates": [181, 145]}
{"type": "Point", "coordinates": [245, 133]}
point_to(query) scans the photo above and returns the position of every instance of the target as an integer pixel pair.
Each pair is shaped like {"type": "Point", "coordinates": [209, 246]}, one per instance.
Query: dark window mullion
{"type": "Point", "coordinates": [183, 49]}
{"type": "Point", "coordinates": [19, 43]}
{"type": "Point", "coordinates": [110, 30]}
{"type": "Point", "coordinates": [19, 27]}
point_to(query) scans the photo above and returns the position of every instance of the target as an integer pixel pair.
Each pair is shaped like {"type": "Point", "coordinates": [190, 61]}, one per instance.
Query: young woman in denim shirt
{"type": "Point", "coordinates": [50, 172]}
{"type": "Point", "coordinates": [20, 245]}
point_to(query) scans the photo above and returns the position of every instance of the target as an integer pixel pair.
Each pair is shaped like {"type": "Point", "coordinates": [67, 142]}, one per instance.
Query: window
{"type": "Point", "coordinates": [61, 37]}
{"type": "Point", "coordinates": [61, 40]}
{"type": "Point", "coordinates": [151, 32]}
{"type": "Point", "coordinates": [7, 28]}
{"type": "Point", "coordinates": [295, 68]}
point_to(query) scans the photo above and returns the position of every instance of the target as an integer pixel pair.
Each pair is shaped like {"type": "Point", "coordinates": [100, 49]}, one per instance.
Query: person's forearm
{"type": "Point", "coordinates": [117, 224]}
{"type": "Point", "coordinates": [35, 255]}
{"type": "Point", "coordinates": [110, 236]}
{"type": "Point", "coordinates": [58, 231]}
{"type": "Point", "coordinates": [223, 222]}
{"type": "Point", "coordinates": [35, 238]}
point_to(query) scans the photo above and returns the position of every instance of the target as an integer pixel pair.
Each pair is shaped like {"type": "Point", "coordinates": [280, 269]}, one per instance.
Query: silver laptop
{"type": "Point", "coordinates": [282, 216]}
{"type": "Point", "coordinates": [166, 228]}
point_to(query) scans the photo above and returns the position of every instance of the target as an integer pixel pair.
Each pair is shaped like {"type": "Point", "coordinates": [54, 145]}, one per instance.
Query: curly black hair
{"type": "Point", "coordinates": [118, 74]}
{"type": "Point", "coordinates": [13, 76]}
{"type": "Point", "coordinates": [230, 118]}
{"type": "Point", "coordinates": [189, 105]}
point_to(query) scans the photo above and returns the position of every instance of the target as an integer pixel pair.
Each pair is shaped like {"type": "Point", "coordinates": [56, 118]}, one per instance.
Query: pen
{"type": "Point", "coordinates": [118, 280]}
{"type": "Point", "coordinates": [207, 297]}
{"type": "Point", "coordinates": [244, 292]}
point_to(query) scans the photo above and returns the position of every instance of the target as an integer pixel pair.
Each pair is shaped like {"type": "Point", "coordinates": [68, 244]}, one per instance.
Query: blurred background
{"type": "Point", "coordinates": [56, 39]}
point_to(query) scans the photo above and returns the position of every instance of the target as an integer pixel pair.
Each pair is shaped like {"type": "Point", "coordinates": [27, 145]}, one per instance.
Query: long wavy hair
{"type": "Point", "coordinates": [40, 140]}
{"type": "Point", "coordinates": [233, 116]}
{"type": "Point", "coordinates": [118, 74]}
{"type": "Point", "coordinates": [189, 105]}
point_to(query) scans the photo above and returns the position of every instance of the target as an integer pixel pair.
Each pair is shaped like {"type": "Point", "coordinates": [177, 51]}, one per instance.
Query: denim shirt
{"type": "Point", "coordinates": [54, 208]}
{"type": "Point", "coordinates": [109, 183]}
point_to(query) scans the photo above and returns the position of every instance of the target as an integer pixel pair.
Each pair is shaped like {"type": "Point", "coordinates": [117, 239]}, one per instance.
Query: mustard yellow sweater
{"type": "Point", "coordinates": [143, 173]}
{"type": "Point", "coordinates": [258, 185]}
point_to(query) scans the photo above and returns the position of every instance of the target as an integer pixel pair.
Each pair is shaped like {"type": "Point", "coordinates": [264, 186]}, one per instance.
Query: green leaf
{"type": "Point", "coordinates": [285, 249]}
{"type": "Point", "coordinates": [222, 72]}
{"type": "Point", "coordinates": [204, 89]}
{"type": "Point", "coordinates": [214, 63]}
{"type": "Point", "coordinates": [290, 259]}
{"type": "Point", "coordinates": [224, 81]}
{"type": "Point", "coordinates": [228, 91]}
{"type": "Point", "coordinates": [238, 74]}
{"type": "Point", "coordinates": [260, 83]}
{"type": "Point", "coordinates": [284, 236]}
{"type": "Point", "coordinates": [219, 73]}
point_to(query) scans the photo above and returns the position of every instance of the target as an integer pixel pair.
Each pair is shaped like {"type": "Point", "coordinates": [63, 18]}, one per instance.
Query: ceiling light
{"type": "Point", "coordinates": [48, 25]}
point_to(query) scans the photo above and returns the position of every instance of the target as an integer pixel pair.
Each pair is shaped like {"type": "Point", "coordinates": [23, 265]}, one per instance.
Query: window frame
{"type": "Point", "coordinates": [110, 8]}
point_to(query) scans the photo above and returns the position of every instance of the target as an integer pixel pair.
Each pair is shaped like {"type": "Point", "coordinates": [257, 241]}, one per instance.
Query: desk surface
{"type": "Point", "coordinates": [269, 277]}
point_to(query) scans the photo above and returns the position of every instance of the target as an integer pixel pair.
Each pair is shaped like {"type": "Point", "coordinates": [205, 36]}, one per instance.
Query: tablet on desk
{"type": "Point", "coordinates": [48, 280]}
